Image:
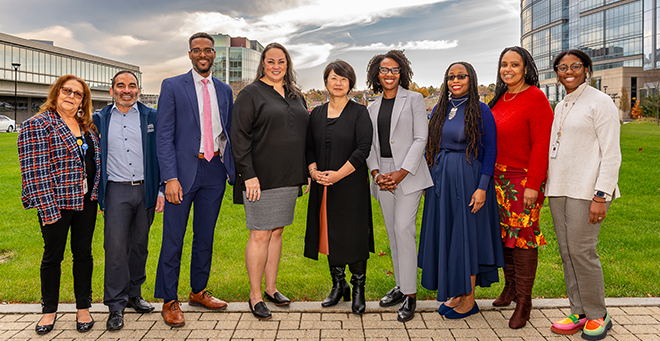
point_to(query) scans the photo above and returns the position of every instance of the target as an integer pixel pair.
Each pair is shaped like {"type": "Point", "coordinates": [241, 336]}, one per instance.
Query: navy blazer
{"type": "Point", "coordinates": [149, 160]}
{"type": "Point", "coordinates": [178, 133]}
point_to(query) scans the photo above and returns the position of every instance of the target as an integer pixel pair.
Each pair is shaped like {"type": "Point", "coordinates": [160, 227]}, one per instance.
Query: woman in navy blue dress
{"type": "Point", "coordinates": [460, 244]}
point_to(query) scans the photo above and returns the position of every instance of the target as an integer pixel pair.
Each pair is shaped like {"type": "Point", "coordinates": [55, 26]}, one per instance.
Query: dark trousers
{"type": "Point", "coordinates": [206, 192]}
{"type": "Point", "coordinates": [82, 230]}
{"type": "Point", "coordinates": [126, 241]}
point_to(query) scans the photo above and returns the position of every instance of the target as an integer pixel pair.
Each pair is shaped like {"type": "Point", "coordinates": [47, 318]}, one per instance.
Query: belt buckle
{"type": "Point", "coordinates": [135, 183]}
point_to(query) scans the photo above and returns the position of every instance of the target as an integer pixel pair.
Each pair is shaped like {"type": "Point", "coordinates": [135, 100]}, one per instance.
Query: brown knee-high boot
{"type": "Point", "coordinates": [509, 292]}
{"type": "Point", "coordinates": [524, 264]}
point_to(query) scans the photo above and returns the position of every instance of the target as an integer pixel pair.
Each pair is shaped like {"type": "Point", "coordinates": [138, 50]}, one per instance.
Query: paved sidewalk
{"type": "Point", "coordinates": [633, 318]}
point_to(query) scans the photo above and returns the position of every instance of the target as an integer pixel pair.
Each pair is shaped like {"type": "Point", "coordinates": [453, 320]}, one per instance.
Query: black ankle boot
{"type": "Point", "coordinates": [358, 279]}
{"type": "Point", "coordinates": [339, 287]}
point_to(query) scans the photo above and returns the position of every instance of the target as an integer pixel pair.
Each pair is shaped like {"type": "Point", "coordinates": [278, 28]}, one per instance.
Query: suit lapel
{"type": "Point", "coordinates": [189, 86]}
{"type": "Point", "coordinates": [399, 101]}
{"type": "Point", "coordinates": [374, 120]}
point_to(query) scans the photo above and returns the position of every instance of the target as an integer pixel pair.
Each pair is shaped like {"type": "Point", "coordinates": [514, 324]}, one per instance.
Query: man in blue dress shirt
{"type": "Point", "coordinates": [128, 194]}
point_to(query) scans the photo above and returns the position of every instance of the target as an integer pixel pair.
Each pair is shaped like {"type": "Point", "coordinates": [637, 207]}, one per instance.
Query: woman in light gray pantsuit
{"type": "Point", "coordinates": [398, 168]}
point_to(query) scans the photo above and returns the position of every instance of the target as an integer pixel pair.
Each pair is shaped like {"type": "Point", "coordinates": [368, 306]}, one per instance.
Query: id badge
{"type": "Point", "coordinates": [553, 150]}
{"type": "Point", "coordinates": [85, 189]}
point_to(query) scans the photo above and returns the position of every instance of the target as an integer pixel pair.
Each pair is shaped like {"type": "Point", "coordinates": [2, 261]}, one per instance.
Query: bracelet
{"type": "Point", "coordinates": [311, 170]}
{"type": "Point", "coordinates": [376, 177]}
{"type": "Point", "coordinates": [600, 202]}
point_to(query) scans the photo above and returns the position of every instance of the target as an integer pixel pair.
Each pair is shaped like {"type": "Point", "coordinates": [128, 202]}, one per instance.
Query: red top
{"type": "Point", "coordinates": [524, 124]}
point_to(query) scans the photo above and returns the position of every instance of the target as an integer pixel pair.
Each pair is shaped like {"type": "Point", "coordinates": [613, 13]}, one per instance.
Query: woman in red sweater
{"type": "Point", "coordinates": [524, 119]}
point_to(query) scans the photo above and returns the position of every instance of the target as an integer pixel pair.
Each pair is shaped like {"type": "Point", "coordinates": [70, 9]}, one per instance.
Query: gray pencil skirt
{"type": "Point", "coordinates": [274, 209]}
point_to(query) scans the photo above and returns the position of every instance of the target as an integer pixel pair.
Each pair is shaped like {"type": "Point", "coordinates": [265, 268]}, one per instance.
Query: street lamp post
{"type": "Point", "coordinates": [15, 66]}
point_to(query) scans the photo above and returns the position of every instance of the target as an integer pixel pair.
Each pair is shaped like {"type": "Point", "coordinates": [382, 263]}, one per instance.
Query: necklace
{"type": "Point", "coordinates": [514, 96]}
{"type": "Point", "coordinates": [562, 118]}
{"type": "Point", "coordinates": [554, 149]}
{"type": "Point", "coordinates": [453, 110]}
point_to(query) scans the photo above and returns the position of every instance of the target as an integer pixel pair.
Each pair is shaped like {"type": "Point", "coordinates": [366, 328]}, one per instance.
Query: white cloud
{"type": "Point", "coordinates": [306, 56]}
{"type": "Point", "coordinates": [103, 42]}
{"type": "Point", "coordinates": [335, 13]}
{"type": "Point", "coordinates": [410, 45]}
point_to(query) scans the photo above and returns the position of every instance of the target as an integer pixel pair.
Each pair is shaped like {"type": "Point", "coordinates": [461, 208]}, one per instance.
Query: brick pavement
{"type": "Point", "coordinates": [634, 319]}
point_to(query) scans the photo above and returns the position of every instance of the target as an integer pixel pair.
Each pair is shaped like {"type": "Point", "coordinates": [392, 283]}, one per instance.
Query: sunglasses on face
{"type": "Point", "coordinates": [68, 91]}
{"type": "Point", "coordinates": [384, 70]}
{"type": "Point", "coordinates": [460, 77]}
{"type": "Point", "coordinates": [575, 67]}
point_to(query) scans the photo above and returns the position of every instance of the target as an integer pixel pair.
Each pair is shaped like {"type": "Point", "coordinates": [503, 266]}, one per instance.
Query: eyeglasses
{"type": "Point", "coordinates": [384, 70]}
{"type": "Point", "coordinates": [68, 91]}
{"type": "Point", "coordinates": [207, 50]}
{"type": "Point", "coordinates": [575, 67]}
{"type": "Point", "coordinates": [460, 77]}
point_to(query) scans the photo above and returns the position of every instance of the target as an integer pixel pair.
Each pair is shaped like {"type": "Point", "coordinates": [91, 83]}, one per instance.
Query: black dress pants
{"type": "Point", "coordinates": [82, 225]}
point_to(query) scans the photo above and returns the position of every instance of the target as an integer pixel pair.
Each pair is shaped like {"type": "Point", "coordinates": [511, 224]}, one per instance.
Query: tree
{"type": "Point", "coordinates": [651, 106]}
{"type": "Point", "coordinates": [636, 110]}
{"type": "Point", "coordinates": [624, 102]}
{"type": "Point", "coordinates": [422, 90]}
{"type": "Point", "coordinates": [237, 86]}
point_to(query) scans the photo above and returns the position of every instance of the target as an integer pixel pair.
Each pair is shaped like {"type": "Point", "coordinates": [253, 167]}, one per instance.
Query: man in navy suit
{"type": "Point", "coordinates": [128, 195]}
{"type": "Point", "coordinates": [194, 154]}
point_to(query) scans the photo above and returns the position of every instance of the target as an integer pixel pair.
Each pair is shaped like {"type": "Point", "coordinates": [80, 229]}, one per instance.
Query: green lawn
{"type": "Point", "coordinates": [629, 242]}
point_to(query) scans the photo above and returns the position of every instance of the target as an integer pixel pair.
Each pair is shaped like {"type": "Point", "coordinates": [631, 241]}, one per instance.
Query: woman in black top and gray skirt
{"type": "Point", "coordinates": [269, 127]}
{"type": "Point", "coordinates": [339, 222]}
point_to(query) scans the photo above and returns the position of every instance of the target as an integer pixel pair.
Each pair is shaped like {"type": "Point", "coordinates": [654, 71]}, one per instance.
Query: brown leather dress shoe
{"type": "Point", "coordinates": [172, 314]}
{"type": "Point", "coordinates": [204, 298]}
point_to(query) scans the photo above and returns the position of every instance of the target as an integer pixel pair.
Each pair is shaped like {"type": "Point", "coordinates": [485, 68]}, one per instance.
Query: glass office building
{"type": "Point", "coordinates": [41, 63]}
{"type": "Point", "coordinates": [236, 59]}
{"type": "Point", "coordinates": [609, 31]}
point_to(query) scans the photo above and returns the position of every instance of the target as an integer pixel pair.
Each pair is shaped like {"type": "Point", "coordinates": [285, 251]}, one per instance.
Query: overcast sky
{"type": "Point", "coordinates": [154, 33]}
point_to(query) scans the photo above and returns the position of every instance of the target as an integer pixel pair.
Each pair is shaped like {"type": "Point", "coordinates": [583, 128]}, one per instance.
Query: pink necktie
{"type": "Point", "coordinates": [208, 123]}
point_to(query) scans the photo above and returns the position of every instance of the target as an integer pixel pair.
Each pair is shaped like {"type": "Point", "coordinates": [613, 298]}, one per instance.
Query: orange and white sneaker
{"type": "Point", "coordinates": [569, 325]}
{"type": "Point", "coordinates": [597, 329]}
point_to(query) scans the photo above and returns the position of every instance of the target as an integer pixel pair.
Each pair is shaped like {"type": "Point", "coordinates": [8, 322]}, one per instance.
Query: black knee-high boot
{"type": "Point", "coordinates": [358, 279]}
{"type": "Point", "coordinates": [340, 287]}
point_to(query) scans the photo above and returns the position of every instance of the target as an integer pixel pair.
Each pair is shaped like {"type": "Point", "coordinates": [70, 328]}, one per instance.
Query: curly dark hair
{"type": "Point", "coordinates": [405, 73]}
{"type": "Point", "coordinates": [473, 120]}
{"type": "Point", "coordinates": [289, 77]}
{"type": "Point", "coordinates": [531, 73]}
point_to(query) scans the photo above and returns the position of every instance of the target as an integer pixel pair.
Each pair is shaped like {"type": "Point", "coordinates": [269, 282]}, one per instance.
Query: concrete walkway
{"type": "Point", "coordinates": [633, 318]}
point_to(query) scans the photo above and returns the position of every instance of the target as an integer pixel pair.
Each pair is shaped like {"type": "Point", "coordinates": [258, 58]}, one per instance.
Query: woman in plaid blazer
{"type": "Point", "coordinates": [60, 164]}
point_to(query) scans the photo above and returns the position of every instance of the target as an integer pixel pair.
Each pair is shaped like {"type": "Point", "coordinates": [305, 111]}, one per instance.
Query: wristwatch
{"type": "Point", "coordinates": [600, 194]}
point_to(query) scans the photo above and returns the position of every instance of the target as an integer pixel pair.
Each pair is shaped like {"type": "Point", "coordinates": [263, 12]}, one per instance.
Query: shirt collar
{"type": "Point", "coordinates": [573, 96]}
{"type": "Point", "coordinates": [133, 107]}
{"type": "Point", "coordinates": [198, 78]}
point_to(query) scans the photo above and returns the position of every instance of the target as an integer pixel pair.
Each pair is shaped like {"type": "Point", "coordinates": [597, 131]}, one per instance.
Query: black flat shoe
{"type": "Point", "coordinates": [115, 320]}
{"type": "Point", "coordinates": [260, 310]}
{"type": "Point", "coordinates": [407, 309]}
{"type": "Point", "coordinates": [84, 327]}
{"type": "Point", "coordinates": [277, 298]}
{"type": "Point", "coordinates": [139, 304]}
{"type": "Point", "coordinates": [392, 297]}
{"type": "Point", "coordinates": [46, 328]}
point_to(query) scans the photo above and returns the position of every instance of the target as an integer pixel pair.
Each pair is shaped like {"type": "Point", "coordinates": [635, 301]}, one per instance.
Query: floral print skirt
{"type": "Point", "coordinates": [519, 224]}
